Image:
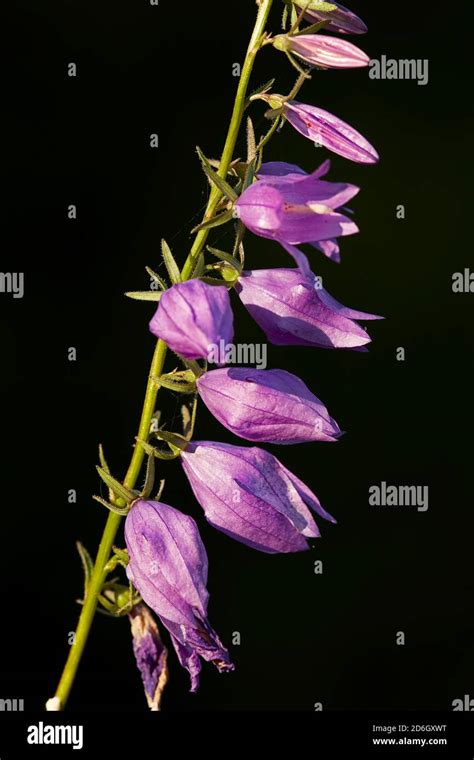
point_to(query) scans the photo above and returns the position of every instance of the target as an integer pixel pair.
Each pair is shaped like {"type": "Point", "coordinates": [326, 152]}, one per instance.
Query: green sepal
{"type": "Point", "coordinates": [212, 281]}
{"type": "Point", "coordinates": [314, 5]}
{"type": "Point", "coordinates": [223, 256]}
{"type": "Point", "coordinates": [170, 263]}
{"type": "Point", "coordinates": [199, 267]}
{"type": "Point", "coordinates": [181, 382]}
{"type": "Point", "coordinates": [164, 455]}
{"type": "Point", "coordinates": [157, 496]}
{"type": "Point", "coordinates": [304, 72]}
{"type": "Point", "coordinates": [214, 177]}
{"type": "Point", "coordinates": [118, 489]}
{"type": "Point", "coordinates": [122, 554]}
{"type": "Point", "coordinates": [105, 466]}
{"type": "Point", "coordinates": [228, 273]}
{"type": "Point", "coordinates": [261, 90]}
{"type": "Point", "coordinates": [149, 477]}
{"type": "Point", "coordinates": [87, 565]}
{"type": "Point", "coordinates": [313, 28]}
{"type": "Point", "coordinates": [195, 367]}
{"type": "Point", "coordinates": [122, 511]}
{"type": "Point", "coordinates": [175, 441]}
{"type": "Point", "coordinates": [145, 295]}
{"type": "Point", "coordinates": [214, 221]}
{"type": "Point", "coordinates": [227, 257]}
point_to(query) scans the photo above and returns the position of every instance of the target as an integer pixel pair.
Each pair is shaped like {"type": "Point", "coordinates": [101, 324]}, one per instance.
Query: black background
{"type": "Point", "coordinates": [85, 140]}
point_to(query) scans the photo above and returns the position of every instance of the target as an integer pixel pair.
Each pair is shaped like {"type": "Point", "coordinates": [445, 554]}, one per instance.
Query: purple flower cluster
{"type": "Point", "coordinates": [246, 492]}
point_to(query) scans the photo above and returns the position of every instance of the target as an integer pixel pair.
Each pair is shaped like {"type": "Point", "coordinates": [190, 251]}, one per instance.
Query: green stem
{"type": "Point", "coordinates": [108, 536]}
{"type": "Point", "coordinates": [113, 522]}
{"type": "Point", "coordinates": [255, 44]}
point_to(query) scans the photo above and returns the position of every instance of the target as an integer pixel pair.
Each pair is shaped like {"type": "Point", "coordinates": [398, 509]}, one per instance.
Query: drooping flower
{"type": "Point", "coordinates": [150, 653]}
{"type": "Point", "coordinates": [168, 566]}
{"type": "Point", "coordinates": [323, 50]}
{"type": "Point", "coordinates": [277, 173]}
{"type": "Point", "coordinates": [250, 496]}
{"type": "Point", "coordinates": [192, 317]}
{"type": "Point", "coordinates": [342, 20]}
{"type": "Point", "coordinates": [295, 207]}
{"type": "Point", "coordinates": [293, 309]}
{"type": "Point", "coordinates": [270, 406]}
{"type": "Point", "coordinates": [327, 130]}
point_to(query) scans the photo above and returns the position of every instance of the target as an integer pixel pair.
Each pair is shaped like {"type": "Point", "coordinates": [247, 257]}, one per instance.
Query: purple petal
{"type": "Point", "coordinates": [342, 19]}
{"type": "Point", "coordinates": [330, 248]}
{"type": "Point", "coordinates": [296, 212]}
{"type": "Point", "coordinates": [150, 654]}
{"type": "Point", "coordinates": [328, 52]}
{"type": "Point", "coordinates": [197, 641]}
{"type": "Point", "coordinates": [247, 494]}
{"type": "Point", "coordinates": [271, 406]}
{"type": "Point", "coordinates": [168, 566]}
{"type": "Point", "coordinates": [192, 317]}
{"type": "Point", "coordinates": [292, 311]}
{"type": "Point", "coordinates": [328, 130]}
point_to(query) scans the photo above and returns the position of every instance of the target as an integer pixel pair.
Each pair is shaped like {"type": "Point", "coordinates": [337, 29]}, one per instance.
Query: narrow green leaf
{"type": "Point", "coordinates": [215, 179]}
{"type": "Point", "coordinates": [251, 142]}
{"type": "Point", "coordinates": [214, 221]}
{"type": "Point", "coordinates": [156, 277]}
{"type": "Point", "coordinates": [170, 263]}
{"type": "Point", "coordinates": [145, 295]}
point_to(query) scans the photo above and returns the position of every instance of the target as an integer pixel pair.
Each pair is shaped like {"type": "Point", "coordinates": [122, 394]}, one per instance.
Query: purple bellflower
{"type": "Point", "coordinates": [168, 566]}
{"type": "Point", "coordinates": [270, 406]}
{"type": "Point", "coordinates": [325, 129]}
{"type": "Point", "coordinates": [294, 207]}
{"type": "Point", "coordinates": [342, 20]}
{"type": "Point", "coordinates": [193, 316]}
{"type": "Point", "coordinates": [150, 653]}
{"type": "Point", "coordinates": [323, 51]}
{"type": "Point", "coordinates": [293, 310]}
{"type": "Point", "coordinates": [250, 496]}
{"type": "Point", "coordinates": [277, 173]}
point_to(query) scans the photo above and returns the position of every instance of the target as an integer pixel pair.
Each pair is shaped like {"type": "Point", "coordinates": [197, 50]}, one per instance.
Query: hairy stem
{"type": "Point", "coordinates": [113, 522]}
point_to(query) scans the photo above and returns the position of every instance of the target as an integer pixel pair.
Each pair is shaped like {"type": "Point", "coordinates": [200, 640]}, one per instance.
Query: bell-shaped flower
{"type": "Point", "coordinates": [150, 654]}
{"type": "Point", "coordinates": [342, 20]}
{"type": "Point", "coordinates": [292, 308]}
{"type": "Point", "coordinates": [270, 406]}
{"type": "Point", "coordinates": [192, 317]}
{"type": "Point", "coordinates": [323, 51]}
{"type": "Point", "coordinates": [278, 173]}
{"type": "Point", "coordinates": [327, 130]}
{"type": "Point", "coordinates": [168, 566]}
{"type": "Point", "coordinates": [295, 208]}
{"type": "Point", "coordinates": [249, 495]}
